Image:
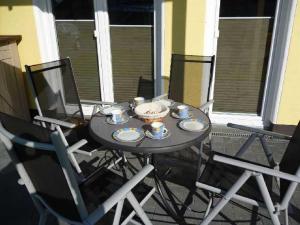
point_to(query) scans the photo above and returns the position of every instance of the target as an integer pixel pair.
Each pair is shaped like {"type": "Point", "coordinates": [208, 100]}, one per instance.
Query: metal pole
{"type": "Point", "coordinates": [267, 151]}
{"type": "Point", "coordinates": [138, 209]}
{"type": "Point", "coordinates": [246, 145]}
{"type": "Point", "coordinates": [118, 212]}
{"type": "Point", "coordinates": [226, 198]}
{"type": "Point", "coordinates": [267, 199]}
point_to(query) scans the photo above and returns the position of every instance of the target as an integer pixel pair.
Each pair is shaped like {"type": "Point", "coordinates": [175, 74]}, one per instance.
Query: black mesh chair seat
{"type": "Point", "coordinates": [42, 166]}
{"type": "Point", "coordinates": [100, 187]}
{"type": "Point", "coordinates": [45, 169]}
{"type": "Point", "coordinates": [223, 176]}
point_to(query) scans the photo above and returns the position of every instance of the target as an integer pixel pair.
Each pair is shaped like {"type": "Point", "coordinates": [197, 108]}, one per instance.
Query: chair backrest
{"type": "Point", "coordinates": [54, 89]}
{"type": "Point", "coordinates": [145, 88]}
{"type": "Point", "coordinates": [39, 165]}
{"type": "Point", "coordinates": [191, 78]}
{"type": "Point", "coordinates": [290, 162]}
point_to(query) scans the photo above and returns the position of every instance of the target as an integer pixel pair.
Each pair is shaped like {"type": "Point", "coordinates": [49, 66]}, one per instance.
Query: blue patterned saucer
{"type": "Point", "coordinates": [128, 134]}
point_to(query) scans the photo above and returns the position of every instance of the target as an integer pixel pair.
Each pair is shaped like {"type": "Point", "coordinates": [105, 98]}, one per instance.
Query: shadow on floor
{"type": "Point", "coordinates": [16, 207]}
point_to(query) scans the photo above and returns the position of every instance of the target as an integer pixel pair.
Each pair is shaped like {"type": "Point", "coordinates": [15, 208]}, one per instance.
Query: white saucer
{"type": "Point", "coordinates": [110, 121]}
{"type": "Point", "coordinates": [195, 125]}
{"type": "Point", "coordinates": [175, 115]}
{"type": "Point", "coordinates": [166, 134]}
{"type": "Point", "coordinates": [128, 134]}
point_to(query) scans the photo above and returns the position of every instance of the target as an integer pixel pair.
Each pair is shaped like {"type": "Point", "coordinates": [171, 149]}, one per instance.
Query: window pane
{"type": "Point", "coordinates": [132, 61]}
{"type": "Point", "coordinates": [247, 8]}
{"type": "Point", "coordinates": [242, 59]}
{"type": "Point", "coordinates": [130, 12]}
{"type": "Point", "coordinates": [131, 48]}
{"type": "Point", "coordinates": [73, 9]}
{"type": "Point", "coordinates": [75, 39]}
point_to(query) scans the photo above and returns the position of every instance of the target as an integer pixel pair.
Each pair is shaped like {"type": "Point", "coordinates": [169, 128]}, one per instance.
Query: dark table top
{"type": "Point", "coordinates": [179, 139]}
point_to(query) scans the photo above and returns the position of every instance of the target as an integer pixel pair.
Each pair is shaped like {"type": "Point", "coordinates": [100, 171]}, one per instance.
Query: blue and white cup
{"type": "Point", "coordinates": [117, 116]}
{"type": "Point", "coordinates": [157, 129]}
{"type": "Point", "coordinates": [183, 111]}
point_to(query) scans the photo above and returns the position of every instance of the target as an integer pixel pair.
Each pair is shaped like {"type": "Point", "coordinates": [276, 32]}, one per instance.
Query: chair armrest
{"type": "Point", "coordinates": [206, 105]}
{"type": "Point", "coordinates": [255, 168]}
{"type": "Point", "coordinates": [119, 194]}
{"type": "Point", "coordinates": [77, 145]}
{"type": "Point", "coordinates": [259, 131]}
{"type": "Point", "coordinates": [97, 102]}
{"type": "Point", "coordinates": [55, 121]}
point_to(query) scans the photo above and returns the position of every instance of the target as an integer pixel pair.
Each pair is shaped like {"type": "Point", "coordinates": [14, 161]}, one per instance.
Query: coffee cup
{"type": "Point", "coordinates": [157, 129]}
{"type": "Point", "coordinates": [183, 111]}
{"type": "Point", "coordinates": [138, 100]}
{"type": "Point", "coordinates": [116, 115]}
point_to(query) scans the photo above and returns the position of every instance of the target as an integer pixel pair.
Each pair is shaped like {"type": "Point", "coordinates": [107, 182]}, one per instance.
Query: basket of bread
{"type": "Point", "coordinates": [151, 111]}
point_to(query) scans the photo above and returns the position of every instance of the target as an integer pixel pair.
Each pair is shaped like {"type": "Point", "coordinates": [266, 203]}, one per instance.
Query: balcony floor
{"type": "Point", "coordinates": [16, 207]}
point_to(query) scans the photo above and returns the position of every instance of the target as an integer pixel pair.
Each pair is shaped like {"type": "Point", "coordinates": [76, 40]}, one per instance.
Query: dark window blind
{"type": "Point", "coordinates": [75, 39]}
{"type": "Point", "coordinates": [242, 59]}
{"type": "Point", "coordinates": [132, 62]}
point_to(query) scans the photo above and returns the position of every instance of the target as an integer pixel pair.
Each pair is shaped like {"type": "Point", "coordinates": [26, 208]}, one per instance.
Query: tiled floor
{"type": "Point", "coordinates": [16, 207]}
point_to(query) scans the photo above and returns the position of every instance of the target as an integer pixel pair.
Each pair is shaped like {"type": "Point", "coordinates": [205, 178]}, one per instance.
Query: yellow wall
{"type": "Point", "coordinates": [289, 108]}
{"type": "Point", "coordinates": [184, 29]}
{"type": "Point", "coordinates": [16, 18]}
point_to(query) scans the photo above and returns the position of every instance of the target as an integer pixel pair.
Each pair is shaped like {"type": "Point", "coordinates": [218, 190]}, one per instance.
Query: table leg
{"type": "Point", "coordinates": [150, 158]}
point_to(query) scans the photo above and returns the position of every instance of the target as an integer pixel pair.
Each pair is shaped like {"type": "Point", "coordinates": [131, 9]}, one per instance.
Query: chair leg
{"type": "Point", "coordinates": [233, 190]}
{"type": "Point", "coordinates": [138, 209]}
{"type": "Point", "coordinates": [118, 212]}
{"type": "Point", "coordinates": [246, 145]}
{"type": "Point", "coordinates": [268, 152]}
{"type": "Point", "coordinates": [132, 214]}
{"type": "Point", "coordinates": [210, 203]}
{"type": "Point", "coordinates": [74, 163]}
{"type": "Point", "coordinates": [286, 216]}
{"type": "Point", "coordinates": [123, 156]}
{"type": "Point", "coordinates": [267, 199]}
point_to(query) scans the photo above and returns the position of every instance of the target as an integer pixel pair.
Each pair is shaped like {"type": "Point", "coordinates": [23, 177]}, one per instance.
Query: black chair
{"type": "Point", "coordinates": [237, 179]}
{"type": "Point", "coordinates": [191, 80]}
{"type": "Point", "coordinates": [145, 88]}
{"type": "Point", "coordinates": [41, 160]}
{"type": "Point", "coordinates": [56, 97]}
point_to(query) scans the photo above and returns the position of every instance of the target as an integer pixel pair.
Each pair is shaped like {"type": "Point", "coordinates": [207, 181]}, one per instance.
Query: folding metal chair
{"type": "Point", "coordinates": [258, 134]}
{"type": "Point", "coordinates": [242, 180]}
{"type": "Point", "coordinates": [191, 80]}
{"type": "Point", "coordinates": [41, 160]}
{"type": "Point", "coordinates": [57, 100]}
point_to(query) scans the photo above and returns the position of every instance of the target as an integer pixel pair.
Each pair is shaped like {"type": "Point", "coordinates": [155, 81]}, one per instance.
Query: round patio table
{"type": "Point", "coordinates": [179, 139]}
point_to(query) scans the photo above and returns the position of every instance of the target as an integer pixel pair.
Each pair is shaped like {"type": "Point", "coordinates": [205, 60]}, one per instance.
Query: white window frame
{"type": "Point", "coordinates": [48, 45]}
{"type": "Point", "coordinates": [284, 17]}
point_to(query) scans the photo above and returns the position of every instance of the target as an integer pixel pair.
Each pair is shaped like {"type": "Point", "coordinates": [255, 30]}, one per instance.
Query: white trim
{"type": "Point", "coordinates": [158, 47]}
{"type": "Point", "coordinates": [102, 34]}
{"type": "Point", "coordinates": [238, 118]}
{"type": "Point", "coordinates": [45, 30]}
{"type": "Point", "coordinates": [271, 56]}
{"type": "Point", "coordinates": [278, 67]}
{"type": "Point", "coordinates": [210, 34]}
